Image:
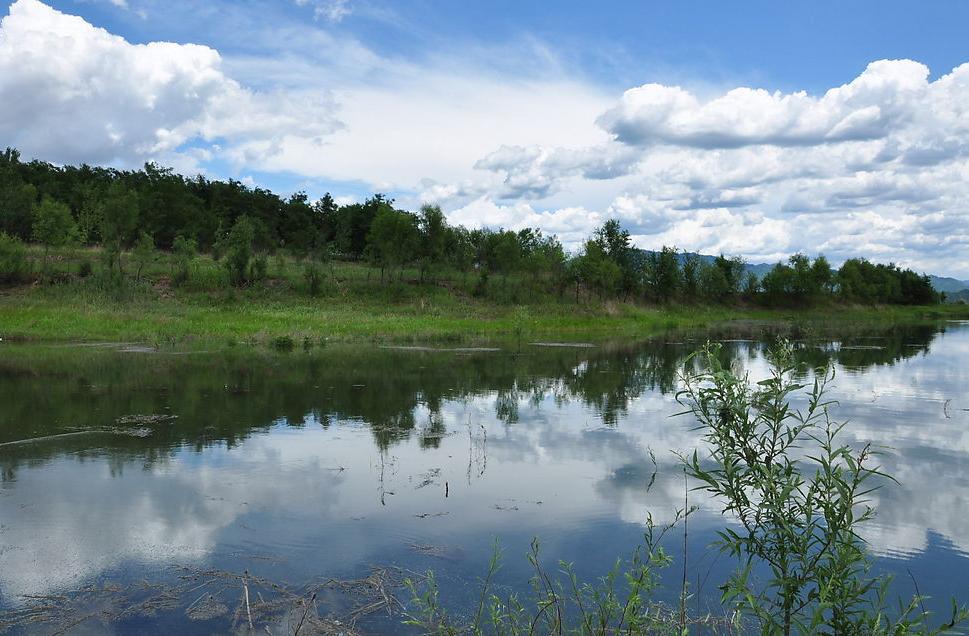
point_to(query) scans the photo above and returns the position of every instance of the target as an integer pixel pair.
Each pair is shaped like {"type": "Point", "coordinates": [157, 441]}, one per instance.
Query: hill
{"type": "Point", "coordinates": [948, 285]}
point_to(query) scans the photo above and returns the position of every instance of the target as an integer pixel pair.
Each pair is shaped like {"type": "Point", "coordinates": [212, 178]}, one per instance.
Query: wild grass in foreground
{"type": "Point", "coordinates": [797, 498]}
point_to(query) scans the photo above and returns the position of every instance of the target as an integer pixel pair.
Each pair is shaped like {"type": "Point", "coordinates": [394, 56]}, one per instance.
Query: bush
{"type": "Point", "coordinates": [184, 250]}
{"type": "Point", "coordinates": [259, 268]}
{"type": "Point", "coordinates": [143, 253]}
{"type": "Point", "coordinates": [314, 276]}
{"type": "Point", "coordinates": [283, 344]}
{"type": "Point", "coordinates": [800, 498]}
{"type": "Point", "coordinates": [13, 259]}
{"type": "Point", "coordinates": [85, 269]}
{"type": "Point", "coordinates": [238, 250]}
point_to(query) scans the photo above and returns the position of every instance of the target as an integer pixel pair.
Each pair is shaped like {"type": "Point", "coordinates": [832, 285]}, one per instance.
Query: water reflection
{"type": "Point", "coordinates": [314, 464]}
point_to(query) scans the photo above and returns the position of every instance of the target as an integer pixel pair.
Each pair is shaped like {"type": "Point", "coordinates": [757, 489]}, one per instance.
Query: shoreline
{"type": "Point", "coordinates": [25, 317]}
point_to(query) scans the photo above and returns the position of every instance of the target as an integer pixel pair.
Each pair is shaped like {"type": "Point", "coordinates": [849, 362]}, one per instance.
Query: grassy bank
{"type": "Point", "coordinates": [354, 304]}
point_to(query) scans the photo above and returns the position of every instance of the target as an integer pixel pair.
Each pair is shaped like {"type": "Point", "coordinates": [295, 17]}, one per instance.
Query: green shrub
{"type": "Point", "coordinates": [85, 269]}
{"type": "Point", "coordinates": [800, 497]}
{"type": "Point", "coordinates": [259, 268]}
{"type": "Point", "coordinates": [283, 344]}
{"type": "Point", "coordinates": [314, 276]}
{"type": "Point", "coordinates": [238, 250]}
{"type": "Point", "coordinates": [183, 251]}
{"type": "Point", "coordinates": [13, 259]}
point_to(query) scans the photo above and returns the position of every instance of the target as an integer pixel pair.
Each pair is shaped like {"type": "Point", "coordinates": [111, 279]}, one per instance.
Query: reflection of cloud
{"type": "Point", "coordinates": [74, 520]}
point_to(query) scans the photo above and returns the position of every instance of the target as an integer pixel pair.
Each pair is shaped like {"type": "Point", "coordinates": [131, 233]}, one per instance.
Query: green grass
{"type": "Point", "coordinates": [354, 305]}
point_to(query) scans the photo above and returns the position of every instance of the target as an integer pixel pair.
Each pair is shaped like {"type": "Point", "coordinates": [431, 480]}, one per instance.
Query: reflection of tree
{"type": "Point", "coordinates": [436, 428]}
{"type": "Point", "coordinates": [865, 350]}
{"type": "Point", "coordinates": [225, 398]}
{"type": "Point", "coordinates": [609, 382]}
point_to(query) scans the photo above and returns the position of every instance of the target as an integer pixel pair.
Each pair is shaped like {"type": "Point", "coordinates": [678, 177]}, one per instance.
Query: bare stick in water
{"type": "Point", "coordinates": [245, 588]}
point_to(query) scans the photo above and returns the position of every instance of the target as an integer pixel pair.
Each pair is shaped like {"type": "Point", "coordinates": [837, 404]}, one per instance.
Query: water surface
{"type": "Point", "coordinates": [300, 467]}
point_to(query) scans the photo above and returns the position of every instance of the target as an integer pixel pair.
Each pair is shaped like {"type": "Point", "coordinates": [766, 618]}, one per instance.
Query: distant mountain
{"type": "Point", "coordinates": [948, 285]}
{"type": "Point", "coordinates": [953, 287]}
{"type": "Point", "coordinates": [959, 296]}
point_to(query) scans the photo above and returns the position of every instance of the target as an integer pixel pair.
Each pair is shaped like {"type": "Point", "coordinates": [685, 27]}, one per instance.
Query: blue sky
{"type": "Point", "coordinates": [526, 113]}
{"type": "Point", "coordinates": [789, 46]}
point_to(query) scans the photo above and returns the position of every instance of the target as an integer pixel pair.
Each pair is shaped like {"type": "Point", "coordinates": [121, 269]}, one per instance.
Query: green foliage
{"type": "Point", "coordinates": [85, 269]}
{"type": "Point", "coordinates": [663, 277]}
{"type": "Point", "coordinates": [283, 344]}
{"type": "Point", "coordinates": [314, 277]}
{"type": "Point", "coordinates": [434, 239]}
{"type": "Point", "coordinates": [616, 245]}
{"type": "Point", "coordinates": [53, 226]}
{"type": "Point", "coordinates": [113, 208]}
{"type": "Point", "coordinates": [184, 251]}
{"type": "Point", "coordinates": [13, 259]}
{"type": "Point", "coordinates": [90, 215]}
{"type": "Point", "coordinates": [621, 602]}
{"type": "Point", "coordinates": [798, 283]}
{"type": "Point", "coordinates": [393, 238]}
{"type": "Point", "coordinates": [143, 253]}
{"type": "Point", "coordinates": [259, 268]}
{"type": "Point", "coordinates": [596, 270]}
{"type": "Point", "coordinates": [17, 197]}
{"type": "Point", "coordinates": [799, 497]}
{"type": "Point", "coordinates": [691, 277]}
{"type": "Point", "coordinates": [861, 281]}
{"type": "Point", "coordinates": [119, 221]}
{"type": "Point", "coordinates": [238, 250]}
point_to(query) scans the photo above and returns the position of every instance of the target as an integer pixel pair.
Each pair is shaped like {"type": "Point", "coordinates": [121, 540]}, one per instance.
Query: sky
{"type": "Point", "coordinates": [757, 129]}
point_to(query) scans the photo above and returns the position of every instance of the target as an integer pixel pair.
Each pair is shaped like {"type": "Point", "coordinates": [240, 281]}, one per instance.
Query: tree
{"type": "Point", "coordinates": [143, 253]}
{"type": "Point", "coordinates": [691, 277]}
{"type": "Point", "coordinates": [17, 198]}
{"type": "Point", "coordinates": [733, 272]}
{"type": "Point", "coordinates": [597, 271]}
{"type": "Point", "coordinates": [53, 226]}
{"type": "Point", "coordinates": [751, 286]}
{"type": "Point", "coordinates": [183, 250]}
{"type": "Point", "coordinates": [433, 238]}
{"type": "Point", "coordinates": [777, 285]}
{"type": "Point", "coordinates": [13, 258]}
{"type": "Point", "coordinates": [393, 239]}
{"type": "Point", "coordinates": [353, 224]}
{"type": "Point", "coordinates": [713, 283]}
{"type": "Point", "coordinates": [119, 219]}
{"type": "Point", "coordinates": [505, 253]}
{"type": "Point", "coordinates": [822, 277]}
{"type": "Point", "coordinates": [663, 276]}
{"type": "Point", "coordinates": [617, 246]}
{"type": "Point", "coordinates": [90, 215]}
{"type": "Point", "coordinates": [239, 250]}
{"type": "Point", "coordinates": [543, 258]}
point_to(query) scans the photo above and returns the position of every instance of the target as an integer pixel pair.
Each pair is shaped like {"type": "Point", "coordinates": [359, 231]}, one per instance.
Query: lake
{"type": "Point", "coordinates": [152, 490]}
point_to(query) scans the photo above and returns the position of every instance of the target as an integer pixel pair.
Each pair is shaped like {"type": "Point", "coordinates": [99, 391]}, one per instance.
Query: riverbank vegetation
{"type": "Point", "coordinates": [90, 252]}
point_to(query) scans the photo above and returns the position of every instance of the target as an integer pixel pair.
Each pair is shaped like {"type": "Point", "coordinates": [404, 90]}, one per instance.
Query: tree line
{"type": "Point", "coordinates": [133, 212]}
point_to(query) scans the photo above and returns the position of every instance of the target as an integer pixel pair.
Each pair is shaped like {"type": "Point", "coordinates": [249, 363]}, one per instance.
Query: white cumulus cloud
{"type": "Point", "coordinates": [71, 92]}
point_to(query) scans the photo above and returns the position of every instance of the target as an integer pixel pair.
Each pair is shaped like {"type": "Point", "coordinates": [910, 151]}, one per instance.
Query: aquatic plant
{"type": "Point", "coordinates": [799, 497]}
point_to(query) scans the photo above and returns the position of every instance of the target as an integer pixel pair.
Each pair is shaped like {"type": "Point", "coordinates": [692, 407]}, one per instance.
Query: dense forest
{"type": "Point", "coordinates": [131, 213]}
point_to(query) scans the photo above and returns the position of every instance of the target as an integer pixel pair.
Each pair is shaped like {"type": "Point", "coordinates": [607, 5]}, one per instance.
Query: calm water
{"type": "Point", "coordinates": [305, 466]}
